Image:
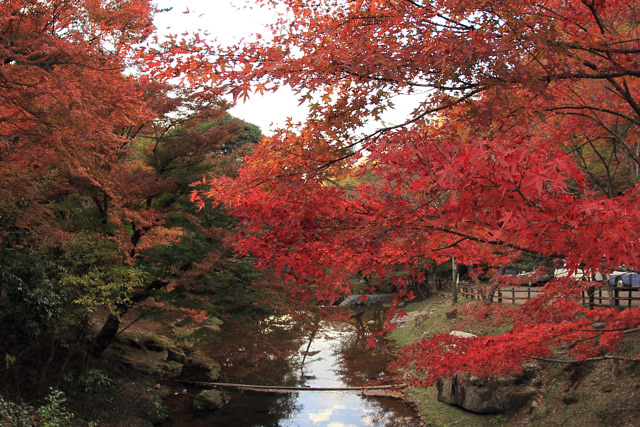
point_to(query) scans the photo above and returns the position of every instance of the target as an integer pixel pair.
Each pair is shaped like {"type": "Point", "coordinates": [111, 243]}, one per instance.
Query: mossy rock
{"type": "Point", "coordinates": [203, 334]}
{"type": "Point", "coordinates": [484, 395]}
{"type": "Point", "coordinates": [152, 342]}
{"type": "Point", "coordinates": [171, 368]}
{"type": "Point", "coordinates": [155, 412]}
{"type": "Point", "coordinates": [206, 331]}
{"type": "Point", "coordinates": [209, 400]}
{"type": "Point", "coordinates": [156, 343]}
{"type": "Point", "coordinates": [198, 367]}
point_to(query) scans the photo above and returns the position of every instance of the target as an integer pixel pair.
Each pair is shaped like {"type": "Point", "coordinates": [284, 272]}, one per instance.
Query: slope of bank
{"type": "Point", "coordinates": [566, 394]}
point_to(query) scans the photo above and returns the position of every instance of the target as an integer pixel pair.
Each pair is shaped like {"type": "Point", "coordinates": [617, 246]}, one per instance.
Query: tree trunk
{"type": "Point", "coordinates": [615, 369]}
{"type": "Point", "coordinates": [106, 335]}
{"type": "Point", "coordinates": [110, 328]}
{"type": "Point", "coordinates": [610, 291]}
{"type": "Point", "coordinates": [488, 299]}
{"type": "Point", "coordinates": [591, 296]}
{"type": "Point", "coordinates": [454, 272]}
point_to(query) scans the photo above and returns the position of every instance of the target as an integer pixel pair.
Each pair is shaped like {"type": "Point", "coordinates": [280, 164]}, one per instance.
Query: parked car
{"type": "Point", "coordinates": [533, 278]}
{"type": "Point", "coordinates": [619, 278]}
{"type": "Point", "coordinates": [564, 272]}
{"type": "Point", "coordinates": [623, 279]}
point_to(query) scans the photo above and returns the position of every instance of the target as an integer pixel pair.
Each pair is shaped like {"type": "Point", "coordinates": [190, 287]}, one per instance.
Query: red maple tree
{"type": "Point", "coordinates": [88, 146]}
{"type": "Point", "coordinates": [67, 107]}
{"type": "Point", "coordinates": [525, 140]}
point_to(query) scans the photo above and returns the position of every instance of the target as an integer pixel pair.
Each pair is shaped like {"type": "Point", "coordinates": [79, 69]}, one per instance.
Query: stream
{"type": "Point", "coordinates": [280, 350]}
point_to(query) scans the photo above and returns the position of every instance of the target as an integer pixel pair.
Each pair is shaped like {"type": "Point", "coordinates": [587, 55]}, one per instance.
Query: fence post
{"type": "Point", "coordinates": [513, 296]}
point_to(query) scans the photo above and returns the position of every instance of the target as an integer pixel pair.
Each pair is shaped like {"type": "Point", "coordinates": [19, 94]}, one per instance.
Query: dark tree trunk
{"type": "Point", "coordinates": [454, 279]}
{"type": "Point", "coordinates": [110, 328]}
{"type": "Point", "coordinates": [106, 335]}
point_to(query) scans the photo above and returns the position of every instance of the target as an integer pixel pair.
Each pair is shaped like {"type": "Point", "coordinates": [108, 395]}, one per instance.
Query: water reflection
{"type": "Point", "coordinates": [268, 350]}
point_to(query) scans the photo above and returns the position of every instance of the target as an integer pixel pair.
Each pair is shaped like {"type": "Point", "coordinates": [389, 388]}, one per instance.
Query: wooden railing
{"type": "Point", "coordinates": [622, 297]}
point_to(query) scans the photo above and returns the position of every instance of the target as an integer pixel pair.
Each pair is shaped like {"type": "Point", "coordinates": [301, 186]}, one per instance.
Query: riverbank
{"type": "Point", "coordinates": [566, 394]}
{"type": "Point", "coordinates": [135, 378]}
{"type": "Point", "coordinates": [128, 385]}
{"type": "Point", "coordinates": [131, 383]}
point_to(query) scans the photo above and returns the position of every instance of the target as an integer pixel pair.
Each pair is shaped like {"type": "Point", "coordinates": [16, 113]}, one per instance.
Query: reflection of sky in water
{"type": "Point", "coordinates": [336, 409]}
{"type": "Point", "coordinates": [332, 359]}
{"type": "Point", "coordinates": [331, 409]}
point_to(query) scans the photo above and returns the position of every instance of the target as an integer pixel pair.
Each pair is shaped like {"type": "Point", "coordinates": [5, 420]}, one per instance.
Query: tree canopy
{"type": "Point", "coordinates": [525, 141]}
{"type": "Point", "coordinates": [96, 165]}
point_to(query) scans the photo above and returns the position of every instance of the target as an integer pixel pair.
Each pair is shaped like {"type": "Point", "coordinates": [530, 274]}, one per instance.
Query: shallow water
{"type": "Point", "coordinates": [278, 351]}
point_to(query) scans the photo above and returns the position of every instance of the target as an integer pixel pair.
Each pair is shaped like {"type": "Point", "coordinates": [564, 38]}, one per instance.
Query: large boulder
{"type": "Point", "coordinates": [485, 395]}
{"type": "Point", "coordinates": [155, 413]}
{"type": "Point", "coordinates": [208, 400]}
{"type": "Point", "coordinates": [198, 367]}
{"type": "Point", "coordinates": [358, 301]}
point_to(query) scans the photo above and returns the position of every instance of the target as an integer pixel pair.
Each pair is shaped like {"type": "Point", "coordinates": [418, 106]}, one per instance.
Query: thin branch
{"type": "Point", "coordinates": [589, 359]}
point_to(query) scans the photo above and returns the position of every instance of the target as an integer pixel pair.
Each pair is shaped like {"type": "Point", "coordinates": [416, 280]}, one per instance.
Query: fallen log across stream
{"type": "Point", "coordinates": [376, 390]}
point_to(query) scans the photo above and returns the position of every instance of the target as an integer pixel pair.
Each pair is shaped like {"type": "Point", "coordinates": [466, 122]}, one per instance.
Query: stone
{"type": "Point", "coordinates": [484, 395]}
{"type": "Point", "coordinates": [154, 344]}
{"type": "Point", "coordinates": [155, 413]}
{"type": "Point", "coordinates": [198, 367]}
{"type": "Point", "coordinates": [176, 354]}
{"type": "Point", "coordinates": [569, 398]}
{"type": "Point", "coordinates": [462, 334]}
{"type": "Point", "coordinates": [208, 400]}
{"type": "Point", "coordinates": [413, 318]}
{"type": "Point", "coordinates": [451, 314]}
{"type": "Point", "coordinates": [420, 319]}
{"type": "Point", "coordinates": [354, 301]}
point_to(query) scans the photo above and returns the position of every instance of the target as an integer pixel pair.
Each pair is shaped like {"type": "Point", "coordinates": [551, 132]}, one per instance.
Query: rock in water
{"type": "Point", "coordinates": [208, 400]}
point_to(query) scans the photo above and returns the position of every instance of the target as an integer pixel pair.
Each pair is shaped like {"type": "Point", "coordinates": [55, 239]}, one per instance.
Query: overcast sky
{"type": "Point", "coordinates": [229, 21]}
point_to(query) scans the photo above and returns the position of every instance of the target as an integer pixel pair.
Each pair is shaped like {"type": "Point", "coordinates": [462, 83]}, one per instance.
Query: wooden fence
{"type": "Point", "coordinates": [622, 297]}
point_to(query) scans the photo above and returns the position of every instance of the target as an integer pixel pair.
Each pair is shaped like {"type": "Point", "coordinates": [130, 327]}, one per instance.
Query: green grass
{"type": "Point", "coordinates": [440, 414]}
{"type": "Point", "coordinates": [436, 413]}
{"type": "Point", "coordinates": [600, 398]}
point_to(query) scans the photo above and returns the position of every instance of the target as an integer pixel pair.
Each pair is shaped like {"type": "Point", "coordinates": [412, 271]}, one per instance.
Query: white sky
{"type": "Point", "coordinates": [229, 21]}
